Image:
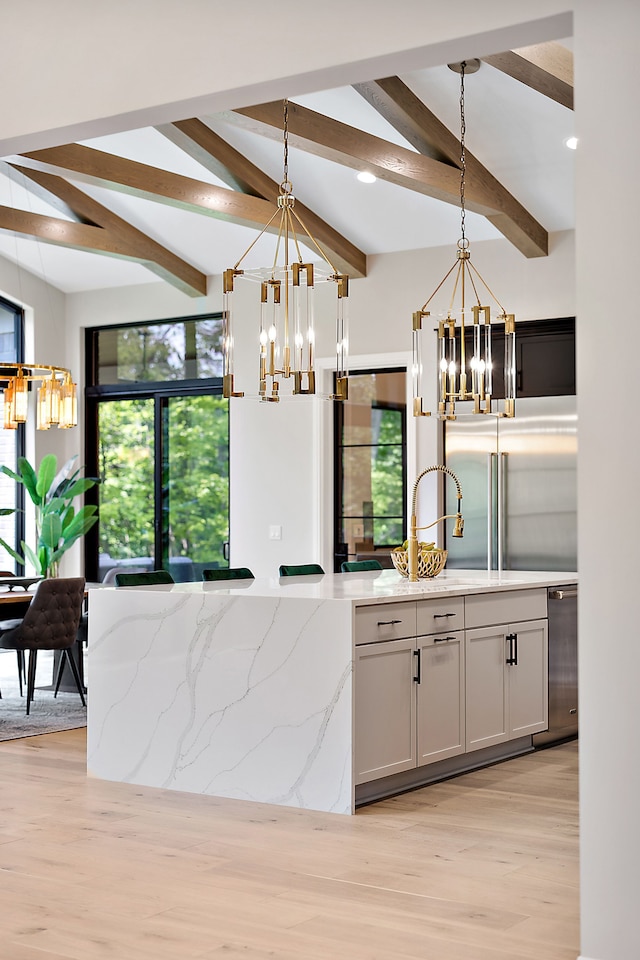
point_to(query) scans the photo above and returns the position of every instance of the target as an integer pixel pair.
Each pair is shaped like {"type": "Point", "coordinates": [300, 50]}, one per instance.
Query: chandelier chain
{"type": "Point", "coordinates": [463, 158]}
{"type": "Point", "coordinates": [285, 186]}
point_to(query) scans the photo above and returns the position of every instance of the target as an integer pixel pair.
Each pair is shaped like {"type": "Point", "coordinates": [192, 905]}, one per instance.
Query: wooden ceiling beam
{"type": "Point", "coordinates": [332, 140]}
{"type": "Point", "coordinates": [66, 233]}
{"type": "Point", "coordinates": [87, 165]}
{"type": "Point", "coordinates": [213, 153]}
{"type": "Point", "coordinates": [19, 177]}
{"type": "Point", "coordinates": [419, 126]}
{"type": "Point", "coordinates": [394, 101]}
{"type": "Point", "coordinates": [139, 179]}
{"type": "Point", "coordinates": [229, 165]}
{"type": "Point", "coordinates": [105, 233]}
{"type": "Point", "coordinates": [545, 67]}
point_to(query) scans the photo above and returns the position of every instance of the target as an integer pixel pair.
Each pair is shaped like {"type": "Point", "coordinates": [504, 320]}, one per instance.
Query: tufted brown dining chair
{"type": "Point", "coordinates": [50, 623]}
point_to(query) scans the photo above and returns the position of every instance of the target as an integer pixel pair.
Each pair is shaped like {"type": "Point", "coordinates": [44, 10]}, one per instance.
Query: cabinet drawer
{"type": "Point", "coordinates": [485, 609]}
{"type": "Point", "coordinates": [440, 616]}
{"type": "Point", "coordinates": [385, 621]}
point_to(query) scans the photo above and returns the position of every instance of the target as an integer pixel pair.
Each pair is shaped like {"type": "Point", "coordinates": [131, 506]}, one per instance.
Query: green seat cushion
{"type": "Point", "coordinates": [227, 573]}
{"type": "Point", "coordinates": [300, 569]}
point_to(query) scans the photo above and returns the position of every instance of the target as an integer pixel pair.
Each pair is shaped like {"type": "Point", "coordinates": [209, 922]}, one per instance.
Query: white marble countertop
{"type": "Point", "coordinates": [372, 586]}
{"type": "Point", "coordinates": [244, 688]}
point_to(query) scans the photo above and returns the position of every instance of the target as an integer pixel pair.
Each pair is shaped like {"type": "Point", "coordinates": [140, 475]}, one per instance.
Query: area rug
{"type": "Point", "coordinates": [48, 714]}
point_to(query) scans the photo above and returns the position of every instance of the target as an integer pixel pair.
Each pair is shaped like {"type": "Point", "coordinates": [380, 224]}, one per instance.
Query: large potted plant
{"type": "Point", "coordinates": [58, 524]}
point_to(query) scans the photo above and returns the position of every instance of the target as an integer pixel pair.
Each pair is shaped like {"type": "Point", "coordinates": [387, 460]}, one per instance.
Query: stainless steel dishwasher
{"type": "Point", "coordinates": [562, 606]}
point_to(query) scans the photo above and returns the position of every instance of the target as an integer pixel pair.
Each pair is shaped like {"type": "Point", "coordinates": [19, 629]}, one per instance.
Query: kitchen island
{"type": "Point", "coordinates": [256, 690]}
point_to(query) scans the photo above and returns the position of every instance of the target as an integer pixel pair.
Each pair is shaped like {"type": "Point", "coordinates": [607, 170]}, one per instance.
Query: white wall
{"type": "Point", "coordinates": [45, 339]}
{"type": "Point", "coordinates": [608, 205]}
{"type": "Point", "coordinates": [121, 63]}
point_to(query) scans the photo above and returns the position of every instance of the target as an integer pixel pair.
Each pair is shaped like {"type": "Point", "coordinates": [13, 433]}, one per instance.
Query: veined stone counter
{"type": "Point", "coordinates": [243, 689]}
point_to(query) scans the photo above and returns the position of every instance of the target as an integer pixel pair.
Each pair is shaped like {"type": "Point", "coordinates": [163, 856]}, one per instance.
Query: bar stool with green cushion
{"type": "Point", "coordinates": [147, 578]}
{"type": "Point", "coordinates": [227, 573]}
{"type": "Point", "coordinates": [300, 569]}
{"type": "Point", "coordinates": [352, 566]}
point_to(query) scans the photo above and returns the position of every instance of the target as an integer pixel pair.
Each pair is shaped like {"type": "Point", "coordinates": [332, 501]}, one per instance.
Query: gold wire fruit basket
{"type": "Point", "coordinates": [430, 562]}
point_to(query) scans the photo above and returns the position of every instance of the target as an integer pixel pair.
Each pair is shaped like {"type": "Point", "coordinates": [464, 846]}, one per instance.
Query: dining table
{"type": "Point", "coordinates": [13, 599]}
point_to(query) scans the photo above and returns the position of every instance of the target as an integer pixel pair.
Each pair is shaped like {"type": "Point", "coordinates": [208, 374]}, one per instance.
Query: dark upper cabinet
{"type": "Point", "coordinates": [545, 358]}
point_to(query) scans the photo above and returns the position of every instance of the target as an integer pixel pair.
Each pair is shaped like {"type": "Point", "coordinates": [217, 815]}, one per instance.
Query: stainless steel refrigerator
{"type": "Point", "coordinates": [518, 479]}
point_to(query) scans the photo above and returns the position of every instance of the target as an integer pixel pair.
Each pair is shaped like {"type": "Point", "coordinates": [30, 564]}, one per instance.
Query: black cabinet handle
{"type": "Point", "coordinates": [388, 623]}
{"type": "Point", "coordinates": [439, 616]}
{"type": "Point", "coordinates": [418, 675]}
{"type": "Point", "coordinates": [515, 648]}
{"type": "Point", "coordinates": [442, 639]}
{"type": "Point", "coordinates": [509, 637]}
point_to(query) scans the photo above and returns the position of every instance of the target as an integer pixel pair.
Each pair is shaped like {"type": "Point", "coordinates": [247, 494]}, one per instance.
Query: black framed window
{"type": "Point", "coordinates": [370, 458]}
{"type": "Point", "coordinates": [157, 436]}
{"type": "Point", "coordinates": [12, 442]}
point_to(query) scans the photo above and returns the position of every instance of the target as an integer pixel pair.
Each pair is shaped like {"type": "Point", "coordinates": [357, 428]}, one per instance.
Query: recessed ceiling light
{"type": "Point", "coordinates": [365, 177]}
{"type": "Point", "coordinates": [571, 142]}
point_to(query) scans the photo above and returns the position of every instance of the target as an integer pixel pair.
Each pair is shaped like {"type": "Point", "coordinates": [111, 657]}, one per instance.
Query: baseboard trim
{"type": "Point", "coordinates": [443, 770]}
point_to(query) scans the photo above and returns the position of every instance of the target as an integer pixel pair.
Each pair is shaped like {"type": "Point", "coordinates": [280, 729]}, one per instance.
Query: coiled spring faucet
{"type": "Point", "coordinates": [413, 535]}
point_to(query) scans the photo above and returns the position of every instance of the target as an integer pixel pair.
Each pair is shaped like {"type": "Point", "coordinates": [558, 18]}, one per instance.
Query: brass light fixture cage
{"type": "Point", "coordinates": [286, 338]}
{"type": "Point", "coordinates": [460, 376]}
{"type": "Point", "coordinates": [57, 400]}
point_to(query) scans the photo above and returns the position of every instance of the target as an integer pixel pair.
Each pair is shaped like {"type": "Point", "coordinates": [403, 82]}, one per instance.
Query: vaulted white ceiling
{"type": "Point", "coordinates": [516, 132]}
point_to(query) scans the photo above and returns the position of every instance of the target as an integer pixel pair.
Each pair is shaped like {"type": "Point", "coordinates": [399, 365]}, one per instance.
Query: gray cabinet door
{"type": "Point", "coordinates": [440, 697]}
{"type": "Point", "coordinates": [384, 709]}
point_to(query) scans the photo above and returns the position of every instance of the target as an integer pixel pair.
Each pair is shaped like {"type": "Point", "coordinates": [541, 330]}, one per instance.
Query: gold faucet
{"type": "Point", "coordinates": [413, 535]}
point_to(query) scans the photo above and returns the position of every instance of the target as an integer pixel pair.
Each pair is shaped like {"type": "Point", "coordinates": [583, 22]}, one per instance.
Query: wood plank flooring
{"type": "Point", "coordinates": [482, 867]}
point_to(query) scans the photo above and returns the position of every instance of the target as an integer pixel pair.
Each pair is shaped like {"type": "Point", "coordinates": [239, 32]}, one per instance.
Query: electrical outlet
{"type": "Point", "coordinates": [275, 532]}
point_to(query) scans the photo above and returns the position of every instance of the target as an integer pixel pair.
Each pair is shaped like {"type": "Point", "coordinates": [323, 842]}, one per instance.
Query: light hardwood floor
{"type": "Point", "coordinates": [482, 867]}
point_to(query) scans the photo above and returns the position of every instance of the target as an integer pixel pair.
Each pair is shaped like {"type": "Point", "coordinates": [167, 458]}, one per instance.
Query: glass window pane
{"type": "Point", "coordinates": [372, 476]}
{"type": "Point", "coordinates": [356, 481]}
{"type": "Point", "coordinates": [196, 485]}
{"type": "Point", "coordinates": [388, 532]}
{"type": "Point", "coordinates": [8, 499]}
{"type": "Point", "coordinates": [8, 345]}
{"type": "Point", "coordinates": [387, 480]}
{"type": "Point", "coordinates": [125, 464]}
{"type": "Point", "coordinates": [10, 442]}
{"type": "Point", "coordinates": [368, 394]}
{"type": "Point", "coordinates": [179, 350]}
{"type": "Point", "coordinates": [372, 484]}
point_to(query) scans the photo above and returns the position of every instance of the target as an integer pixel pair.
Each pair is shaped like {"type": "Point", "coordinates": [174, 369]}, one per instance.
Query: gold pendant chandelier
{"type": "Point", "coordinates": [57, 402]}
{"type": "Point", "coordinates": [286, 345]}
{"type": "Point", "coordinates": [465, 368]}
